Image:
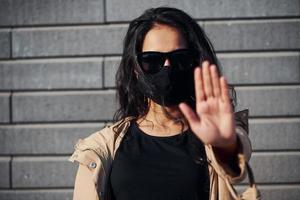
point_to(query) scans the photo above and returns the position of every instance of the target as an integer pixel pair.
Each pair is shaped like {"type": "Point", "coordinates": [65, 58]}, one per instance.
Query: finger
{"type": "Point", "coordinates": [224, 90]}
{"type": "Point", "coordinates": [215, 81]}
{"type": "Point", "coordinates": [199, 90]}
{"type": "Point", "coordinates": [207, 80]}
{"type": "Point", "coordinates": [189, 114]}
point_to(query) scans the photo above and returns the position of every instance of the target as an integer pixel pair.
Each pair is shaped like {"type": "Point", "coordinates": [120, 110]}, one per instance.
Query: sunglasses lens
{"type": "Point", "coordinates": [183, 59]}
{"type": "Point", "coordinates": [151, 62]}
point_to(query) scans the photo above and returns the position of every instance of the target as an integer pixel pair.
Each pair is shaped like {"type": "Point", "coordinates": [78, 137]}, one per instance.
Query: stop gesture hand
{"type": "Point", "coordinates": [213, 122]}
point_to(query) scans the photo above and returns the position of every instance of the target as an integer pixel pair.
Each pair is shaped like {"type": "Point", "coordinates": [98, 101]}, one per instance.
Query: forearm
{"type": "Point", "coordinates": [228, 155]}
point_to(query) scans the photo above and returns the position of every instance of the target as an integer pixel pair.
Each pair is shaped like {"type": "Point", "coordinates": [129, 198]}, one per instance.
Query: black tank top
{"type": "Point", "coordinates": [159, 168]}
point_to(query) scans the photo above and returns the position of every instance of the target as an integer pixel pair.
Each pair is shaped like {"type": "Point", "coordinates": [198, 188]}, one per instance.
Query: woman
{"type": "Point", "coordinates": [176, 135]}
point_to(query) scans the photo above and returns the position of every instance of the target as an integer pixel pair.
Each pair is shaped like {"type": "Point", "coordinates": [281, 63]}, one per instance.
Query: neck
{"type": "Point", "coordinates": [159, 122]}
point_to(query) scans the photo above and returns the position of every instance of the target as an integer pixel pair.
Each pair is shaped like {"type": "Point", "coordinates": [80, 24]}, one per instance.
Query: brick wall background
{"type": "Point", "coordinates": [57, 64]}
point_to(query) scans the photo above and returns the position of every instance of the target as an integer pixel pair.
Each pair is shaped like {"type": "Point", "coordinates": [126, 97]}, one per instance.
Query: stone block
{"type": "Point", "coordinates": [4, 107]}
{"type": "Point", "coordinates": [63, 106]}
{"type": "Point", "coordinates": [42, 172]}
{"type": "Point", "coordinates": [5, 44]}
{"type": "Point", "coordinates": [43, 139]}
{"type": "Point", "coordinates": [269, 100]}
{"type": "Point", "coordinates": [4, 172]}
{"type": "Point", "coordinates": [35, 12]}
{"type": "Point", "coordinates": [51, 74]}
{"type": "Point", "coordinates": [127, 10]}
{"type": "Point", "coordinates": [254, 35]}
{"type": "Point", "coordinates": [68, 41]}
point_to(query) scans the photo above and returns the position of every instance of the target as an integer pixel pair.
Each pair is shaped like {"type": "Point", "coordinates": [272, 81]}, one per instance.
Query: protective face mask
{"type": "Point", "coordinates": [168, 86]}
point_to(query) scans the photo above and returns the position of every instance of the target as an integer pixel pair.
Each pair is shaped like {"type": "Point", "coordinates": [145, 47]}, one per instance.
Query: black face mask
{"type": "Point", "coordinates": [169, 86]}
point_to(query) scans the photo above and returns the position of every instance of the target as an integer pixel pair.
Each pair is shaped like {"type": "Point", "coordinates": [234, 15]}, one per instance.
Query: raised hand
{"type": "Point", "coordinates": [213, 122]}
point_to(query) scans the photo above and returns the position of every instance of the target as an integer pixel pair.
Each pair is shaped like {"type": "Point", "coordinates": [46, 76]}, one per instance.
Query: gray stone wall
{"type": "Point", "coordinates": [57, 64]}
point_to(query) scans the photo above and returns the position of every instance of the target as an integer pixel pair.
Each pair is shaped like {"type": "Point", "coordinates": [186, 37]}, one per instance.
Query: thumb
{"type": "Point", "coordinates": [189, 114]}
{"type": "Point", "coordinates": [193, 120]}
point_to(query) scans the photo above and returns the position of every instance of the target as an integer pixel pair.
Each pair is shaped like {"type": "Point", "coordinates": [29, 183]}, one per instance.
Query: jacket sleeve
{"type": "Point", "coordinates": [86, 181]}
{"type": "Point", "coordinates": [224, 170]}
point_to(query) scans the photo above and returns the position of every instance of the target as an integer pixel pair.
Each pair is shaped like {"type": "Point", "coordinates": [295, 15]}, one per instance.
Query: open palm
{"type": "Point", "coordinates": [213, 122]}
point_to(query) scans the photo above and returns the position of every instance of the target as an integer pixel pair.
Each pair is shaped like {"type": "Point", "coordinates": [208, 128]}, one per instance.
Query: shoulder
{"type": "Point", "coordinates": [96, 141]}
{"type": "Point", "coordinates": [88, 150]}
{"type": "Point", "coordinates": [101, 141]}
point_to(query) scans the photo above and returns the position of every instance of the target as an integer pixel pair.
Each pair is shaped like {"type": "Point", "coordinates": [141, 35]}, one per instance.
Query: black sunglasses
{"type": "Point", "coordinates": [152, 62]}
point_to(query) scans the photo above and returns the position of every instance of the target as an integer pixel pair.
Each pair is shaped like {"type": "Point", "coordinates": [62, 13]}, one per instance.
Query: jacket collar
{"type": "Point", "coordinates": [120, 129]}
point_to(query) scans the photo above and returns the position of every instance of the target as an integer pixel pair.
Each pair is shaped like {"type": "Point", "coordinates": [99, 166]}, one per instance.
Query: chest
{"type": "Point", "coordinates": [159, 165]}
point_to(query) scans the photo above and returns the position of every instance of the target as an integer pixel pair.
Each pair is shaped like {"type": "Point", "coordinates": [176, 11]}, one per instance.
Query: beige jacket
{"type": "Point", "coordinates": [96, 153]}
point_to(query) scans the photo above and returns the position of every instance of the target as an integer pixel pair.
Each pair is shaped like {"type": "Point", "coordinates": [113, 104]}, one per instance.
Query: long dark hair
{"type": "Point", "coordinates": [131, 99]}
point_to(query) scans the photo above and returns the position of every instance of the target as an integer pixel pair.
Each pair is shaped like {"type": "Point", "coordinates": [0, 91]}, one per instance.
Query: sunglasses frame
{"type": "Point", "coordinates": [195, 56]}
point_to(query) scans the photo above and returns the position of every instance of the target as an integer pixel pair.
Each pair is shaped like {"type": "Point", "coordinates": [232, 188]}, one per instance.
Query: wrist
{"type": "Point", "coordinates": [231, 147]}
{"type": "Point", "coordinates": [228, 152]}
